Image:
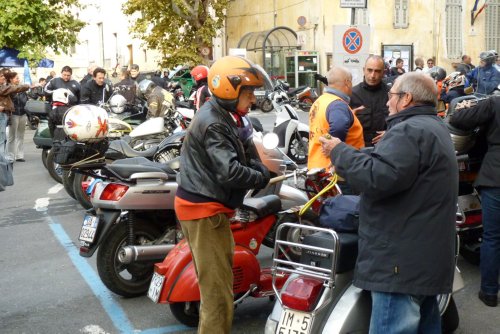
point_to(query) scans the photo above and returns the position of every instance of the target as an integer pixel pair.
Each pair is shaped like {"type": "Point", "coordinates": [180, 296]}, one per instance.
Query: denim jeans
{"type": "Point", "coordinates": [3, 132]}
{"type": "Point", "coordinates": [404, 314]}
{"type": "Point", "coordinates": [490, 247]}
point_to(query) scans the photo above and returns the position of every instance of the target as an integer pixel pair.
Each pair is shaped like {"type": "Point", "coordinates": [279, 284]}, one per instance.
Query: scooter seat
{"type": "Point", "coordinates": [126, 167]}
{"type": "Point", "coordinates": [262, 206]}
{"type": "Point", "coordinates": [293, 91]}
{"type": "Point", "coordinates": [348, 251]}
{"type": "Point", "coordinates": [121, 149]}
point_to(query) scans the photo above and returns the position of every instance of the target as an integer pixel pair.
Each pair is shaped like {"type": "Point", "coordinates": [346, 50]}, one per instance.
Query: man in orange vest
{"type": "Point", "coordinates": [331, 115]}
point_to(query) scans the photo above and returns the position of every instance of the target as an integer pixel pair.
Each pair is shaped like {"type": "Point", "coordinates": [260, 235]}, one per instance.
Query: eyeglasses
{"type": "Point", "coordinates": [390, 94]}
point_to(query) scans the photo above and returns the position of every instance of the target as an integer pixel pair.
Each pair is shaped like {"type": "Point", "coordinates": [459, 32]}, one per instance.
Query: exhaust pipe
{"type": "Point", "coordinates": [129, 254]}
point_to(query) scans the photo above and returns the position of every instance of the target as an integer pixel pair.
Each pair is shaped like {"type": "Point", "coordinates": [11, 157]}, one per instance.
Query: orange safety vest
{"type": "Point", "coordinates": [318, 126]}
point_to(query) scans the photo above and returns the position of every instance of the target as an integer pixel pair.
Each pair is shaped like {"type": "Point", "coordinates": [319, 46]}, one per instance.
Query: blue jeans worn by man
{"type": "Point", "coordinates": [3, 132]}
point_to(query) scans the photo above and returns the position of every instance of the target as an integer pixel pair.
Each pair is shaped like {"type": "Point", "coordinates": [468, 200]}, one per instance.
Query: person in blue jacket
{"type": "Point", "coordinates": [485, 78]}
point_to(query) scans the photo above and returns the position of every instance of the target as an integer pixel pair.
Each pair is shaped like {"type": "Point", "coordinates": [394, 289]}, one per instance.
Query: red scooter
{"type": "Point", "coordinates": [175, 282]}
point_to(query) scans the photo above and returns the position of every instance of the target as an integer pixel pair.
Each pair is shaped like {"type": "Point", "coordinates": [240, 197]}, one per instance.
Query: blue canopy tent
{"type": "Point", "coordinates": [8, 58]}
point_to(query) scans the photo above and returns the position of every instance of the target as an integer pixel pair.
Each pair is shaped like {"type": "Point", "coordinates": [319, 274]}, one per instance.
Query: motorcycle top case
{"type": "Point", "coordinates": [348, 251]}
{"type": "Point", "coordinates": [37, 107]}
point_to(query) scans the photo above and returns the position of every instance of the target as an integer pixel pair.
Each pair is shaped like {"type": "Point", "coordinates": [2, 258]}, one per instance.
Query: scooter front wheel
{"type": "Point", "coordinates": [188, 313]}
{"type": "Point", "coordinates": [127, 280]}
{"type": "Point", "coordinates": [45, 153]}
{"type": "Point", "coordinates": [298, 148]}
{"type": "Point", "coordinates": [266, 105]}
{"type": "Point", "coordinates": [55, 170]}
{"type": "Point", "coordinates": [68, 178]}
{"type": "Point", "coordinates": [80, 184]}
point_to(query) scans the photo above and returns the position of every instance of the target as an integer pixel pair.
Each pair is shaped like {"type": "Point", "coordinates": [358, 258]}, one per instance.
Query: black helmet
{"type": "Point", "coordinates": [437, 73]}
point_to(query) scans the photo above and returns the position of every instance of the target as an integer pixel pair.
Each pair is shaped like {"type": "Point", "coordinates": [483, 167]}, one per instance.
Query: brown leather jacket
{"type": "Point", "coordinates": [6, 104]}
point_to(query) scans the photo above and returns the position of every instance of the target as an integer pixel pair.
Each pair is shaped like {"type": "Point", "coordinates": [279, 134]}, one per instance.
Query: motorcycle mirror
{"type": "Point", "coordinates": [270, 141]}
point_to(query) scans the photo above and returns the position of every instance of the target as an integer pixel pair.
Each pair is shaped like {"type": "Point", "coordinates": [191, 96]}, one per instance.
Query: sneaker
{"type": "Point", "coordinates": [20, 160]}
{"type": "Point", "coordinates": [488, 300]}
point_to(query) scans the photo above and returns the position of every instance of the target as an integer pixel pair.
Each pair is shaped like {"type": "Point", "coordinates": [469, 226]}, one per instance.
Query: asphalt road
{"type": "Point", "coordinates": [46, 287]}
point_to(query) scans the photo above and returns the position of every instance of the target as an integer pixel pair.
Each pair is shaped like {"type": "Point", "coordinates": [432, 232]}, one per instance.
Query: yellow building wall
{"type": "Point", "coordinates": [426, 30]}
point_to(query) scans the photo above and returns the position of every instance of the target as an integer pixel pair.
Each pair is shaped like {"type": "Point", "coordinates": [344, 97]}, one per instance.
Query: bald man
{"type": "Point", "coordinates": [413, 165]}
{"type": "Point", "coordinates": [331, 115]}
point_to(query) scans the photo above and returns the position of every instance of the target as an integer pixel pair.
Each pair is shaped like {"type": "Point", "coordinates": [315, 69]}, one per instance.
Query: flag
{"type": "Point", "coordinates": [27, 76]}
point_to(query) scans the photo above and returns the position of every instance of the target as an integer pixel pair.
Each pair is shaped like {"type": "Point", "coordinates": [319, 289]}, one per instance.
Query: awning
{"type": "Point", "coordinates": [8, 58]}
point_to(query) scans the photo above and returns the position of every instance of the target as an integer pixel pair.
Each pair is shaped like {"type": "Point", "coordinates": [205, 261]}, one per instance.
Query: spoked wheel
{"type": "Point", "coordinates": [81, 184]}
{"type": "Point", "coordinates": [187, 313]}
{"type": "Point", "coordinates": [168, 154]}
{"type": "Point", "coordinates": [55, 170]}
{"type": "Point", "coordinates": [296, 235]}
{"type": "Point", "coordinates": [127, 280]}
{"type": "Point", "coordinates": [299, 147]}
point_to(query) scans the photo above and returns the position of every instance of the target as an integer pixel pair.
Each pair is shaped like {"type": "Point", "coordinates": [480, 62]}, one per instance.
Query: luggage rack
{"type": "Point", "coordinates": [283, 264]}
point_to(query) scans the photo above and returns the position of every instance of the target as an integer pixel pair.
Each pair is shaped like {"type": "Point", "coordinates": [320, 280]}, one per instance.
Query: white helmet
{"type": "Point", "coordinates": [61, 95]}
{"type": "Point", "coordinates": [86, 123]}
{"type": "Point", "coordinates": [117, 103]}
{"type": "Point", "coordinates": [145, 88]}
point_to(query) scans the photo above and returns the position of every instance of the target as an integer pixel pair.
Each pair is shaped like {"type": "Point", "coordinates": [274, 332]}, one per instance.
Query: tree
{"type": "Point", "coordinates": [178, 29]}
{"type": "Point", "coordinates": [32, 26]}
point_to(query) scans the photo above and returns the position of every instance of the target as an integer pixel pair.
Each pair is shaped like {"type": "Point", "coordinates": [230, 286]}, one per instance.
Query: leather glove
{"type": "Point", "coordinates": [258, 166]}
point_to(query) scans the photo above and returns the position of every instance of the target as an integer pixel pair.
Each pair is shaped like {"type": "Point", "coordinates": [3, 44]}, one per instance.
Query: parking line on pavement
{"type": "Point", "coordinates": [105, 297]}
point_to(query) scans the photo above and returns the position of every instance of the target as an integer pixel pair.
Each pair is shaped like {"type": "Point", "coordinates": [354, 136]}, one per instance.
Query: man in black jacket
{"type": "Point", "coordinates": [64, 81]}
{"type": "Point", "coordinates": [96, 91]}
{"type": "Point", "coordinates": [409, 189]}
{"type": "Point", "coordinates": [213, 179]}
{"type": "Point", "coordinates": [369, 99]}
{"type": "Point", "coordinates": [487, 114]}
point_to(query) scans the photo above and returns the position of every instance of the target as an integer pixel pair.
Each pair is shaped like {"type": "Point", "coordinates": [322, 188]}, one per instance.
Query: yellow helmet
{"type": "Point", "coordinates": [229, 74]}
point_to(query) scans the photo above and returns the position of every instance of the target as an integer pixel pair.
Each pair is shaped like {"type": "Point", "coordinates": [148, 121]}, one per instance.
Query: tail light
{"type": "Point", "coordinates": [113, 192]}
{"type": "Point", "coordinates": [302, 293]}
{"type": "Point", "coordinates": [472, 219]}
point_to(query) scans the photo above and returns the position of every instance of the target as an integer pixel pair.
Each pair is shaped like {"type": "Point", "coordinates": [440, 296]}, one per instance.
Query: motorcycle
{"type": "Point", "coordinates": [301, 97]}
{"type": "Point", "coordinates": [293, 135]}
{"type": "Point", "coordinates": [174, 280]}
{"type": "Point", "coordinates": [135, 210]}
{"type": "Point", "coordinates": [319, 297]}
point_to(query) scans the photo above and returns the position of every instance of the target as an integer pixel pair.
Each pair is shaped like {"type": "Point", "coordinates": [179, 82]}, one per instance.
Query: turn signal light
{"type": "Point", "coordinates": [302, 293]}
{"type": "Point", "coordinates": [113, 192]}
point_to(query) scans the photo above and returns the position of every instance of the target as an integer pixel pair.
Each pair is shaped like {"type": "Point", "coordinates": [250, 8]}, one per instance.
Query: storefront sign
{"type": "Point", "coordinates": [353, 3]}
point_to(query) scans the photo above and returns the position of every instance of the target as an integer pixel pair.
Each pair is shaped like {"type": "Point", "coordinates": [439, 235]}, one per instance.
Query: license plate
{"type": "Point", "coordinates": [155, 287]}
{"type": "Point", "coordinates": [294, 322]}
{"type": "Point", "coordinates": [89, 227]}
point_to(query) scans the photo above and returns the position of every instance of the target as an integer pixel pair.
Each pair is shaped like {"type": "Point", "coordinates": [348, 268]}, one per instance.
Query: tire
{"type": "Point", "coordinates": [298, 147]}
{"type": "Point", "coordinates": [450, 319]}
{"type": "Point", "coordinates": [80, 193]}
{"type": "Point", "coordinates": [55, 170]}
{"type": "Point", "coordinates": [168, 154]}
{"type": "Point", "coordinates": [68, 178]}
{"type": "Point", "coordinates": [296, 235]}
{"type": "Point", "coordinates": [45, 153]}
{"type": "Point", "coordinates": [266, 105]}
{"type": "Point", "coordinates": [127, 280]}
{"type": "Point", "coordinates": [186, 312]}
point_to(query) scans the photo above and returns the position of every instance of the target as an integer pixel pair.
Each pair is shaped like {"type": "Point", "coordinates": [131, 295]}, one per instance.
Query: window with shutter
{"type": "Point", "coordinates": [361, 16]}
{"type": "Point", "coordinates": [401, 9]}
{"type": "Point", "coordinates": [492, 26]}
{"type": "Point", "coordinates": [454, 27]}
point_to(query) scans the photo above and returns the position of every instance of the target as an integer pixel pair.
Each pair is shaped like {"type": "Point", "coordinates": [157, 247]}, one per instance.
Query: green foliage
{"type": "Point", "coordinates": [32, 26]}
{"type": "Point", "coordinates": [177, 28]}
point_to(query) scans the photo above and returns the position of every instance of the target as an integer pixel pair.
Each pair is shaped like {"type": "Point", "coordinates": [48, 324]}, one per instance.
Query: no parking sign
{"type": "Point", "coordinates": [351, 46]}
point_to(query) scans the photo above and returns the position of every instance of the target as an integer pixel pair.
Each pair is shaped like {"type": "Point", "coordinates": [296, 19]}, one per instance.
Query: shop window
{"type": "Point", "coordinates": [492, 26]}
{"type": "Point", "coordinates": [454, 28]}
{"type": "Point", "coordinates": [401, 9]}
{"type": "Point", "coordinates": [361, 16]}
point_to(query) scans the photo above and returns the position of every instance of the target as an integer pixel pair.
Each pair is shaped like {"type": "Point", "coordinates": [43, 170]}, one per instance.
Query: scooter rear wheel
{"type": "Point", "coordinates": [68, 178]}
{"type": "Point", "coordinates": [80, 191]}
{"type": "Point", "coordinates": [127, 280]}
{"type": "Point", "coordinates": [188, 313]}
{"type": "Point", "coordinates": [45, 153]}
